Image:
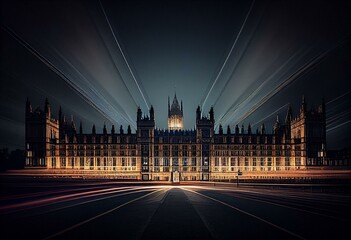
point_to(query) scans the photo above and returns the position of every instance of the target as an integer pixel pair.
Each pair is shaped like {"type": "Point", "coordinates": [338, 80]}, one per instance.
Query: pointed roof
{"type": "Point", "coordinates": [175, 107]}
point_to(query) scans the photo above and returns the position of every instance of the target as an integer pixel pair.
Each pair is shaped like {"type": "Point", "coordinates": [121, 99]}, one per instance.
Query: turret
{"type": "Point", "coordinates": [276, 125]}
{"type": "Point", "coordinates": [249, 129]}
{"type": "Point", "coordinates": [113, 129]}
{"type": "Point", "coordinates": [236, 129]}
{"type": "Point", "coordinates": [198, 113]}
{"type": "Point", "coordinates": [152, 113]}
{"type": "Point", "coordinates": [104, 129]}
{"type": "Point", "coordinates": [263, 129]}
{"type": "Point", "coordinates": [228, 130]}
{"type": "Point", "coordinates": [121, 130]}
{"type": "Point", "coordinates": [242, 129]}
{"type": "Point", "coordinates": [139, 114]}
{"type": "Point", "coordinates": [129, 130]}
{"type": "Point", "coordinates": [211, 115]}
{"type": "Point", "coordinates": [47, 108]}
{"type": "Point", "coordinates": [288, 117]}
{"type": "Point", "coordinates": [220, 129]}
{"type": "Point", "coordinates": [93, 130]}
{"type": "Point", "coordinates": [73, 125]}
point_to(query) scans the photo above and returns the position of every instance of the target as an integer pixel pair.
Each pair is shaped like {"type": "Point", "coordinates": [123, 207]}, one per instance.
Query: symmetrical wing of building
{"type": "Point", "coordinates": [153, 154]}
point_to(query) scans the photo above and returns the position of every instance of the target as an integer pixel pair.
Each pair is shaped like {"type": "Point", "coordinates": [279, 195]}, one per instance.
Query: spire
{"type": "Point", "coordinates": [113, 129]}
{"type": "Point", "coordinates": [288, 116]}
{"type": "Point", "coordinates": [47, 108]}
{"type": "Point", "coordinates": [228, 130]}
{"type": "Point", "coordinates": [236, 129]}
{"type": "Point", "coordinates": [220, 129]}
{"type": "Point", "coordinates": [93, 130]}
{"type": "Point", "coordinates": [175, 108]}
{"type": "Point", "coordinates": [152, 113]}
{"type": "Point", "coordinates": [121, 130]}
{"type": "Point", "coordinates": [139, 113]}
{"type": "Point", "coordinates": [242, 129]}
{"type": "Point", "coordinates": [249, 129]}
{"type": "Point", "coordinates": [181, 106]}
{"type": "Point", "coordinates": [72, 123]}
{"type": "Point", "coordinates": [129, 130]}
{"type": "Point", "coordinates": [276, 125]}
{"type": "Point", "coordinates": [104, 129]}
{"type": "Point", "coordinates": [198, 113]}
{"type": "Point", "coordinates": [212, 114]}
{"type": "Point", "coordinates": [263, 129]}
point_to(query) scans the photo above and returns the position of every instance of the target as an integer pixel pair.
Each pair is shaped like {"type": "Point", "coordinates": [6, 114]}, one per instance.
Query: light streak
{"type": "Point", "coordinates": [230, 52]}
{"type": "Point", "coordinates": [125, 59]}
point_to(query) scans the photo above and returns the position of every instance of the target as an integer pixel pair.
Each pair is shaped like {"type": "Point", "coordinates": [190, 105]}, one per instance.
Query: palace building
{"type": "Point", "coordinates": [152, 154]}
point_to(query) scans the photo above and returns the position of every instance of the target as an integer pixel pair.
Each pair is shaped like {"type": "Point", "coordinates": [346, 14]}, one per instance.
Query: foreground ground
{"type": "Point", "coordinates": [62, 209]}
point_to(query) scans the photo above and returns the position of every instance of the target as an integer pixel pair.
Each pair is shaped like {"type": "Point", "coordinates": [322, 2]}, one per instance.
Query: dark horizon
{"type": "Point", "coordinates": [100, 60]}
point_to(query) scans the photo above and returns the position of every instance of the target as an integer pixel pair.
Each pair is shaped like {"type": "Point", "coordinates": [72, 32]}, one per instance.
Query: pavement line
{"type": "Point", "coordinates": [97, 216]}
{"type": "Point", "coordinates": [249, 214]}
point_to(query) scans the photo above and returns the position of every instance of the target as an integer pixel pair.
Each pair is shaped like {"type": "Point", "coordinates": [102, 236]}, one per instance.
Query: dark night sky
{"type": "Point", "coordinates": [100, 60]}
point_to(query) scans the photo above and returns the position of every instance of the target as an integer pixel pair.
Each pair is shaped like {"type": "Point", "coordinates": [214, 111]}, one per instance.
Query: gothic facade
{"type": "Point", "coordinates": [153, 154]}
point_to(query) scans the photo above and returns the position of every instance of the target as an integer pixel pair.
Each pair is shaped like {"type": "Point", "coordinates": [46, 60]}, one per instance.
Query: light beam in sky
{"type": "Point", "coordinates": [306, 68]}
{"type": "Point", "coordinates": [230, 52]}
{"type": "Point", "coordinates": [90, 97]}
{"type": "Point", "coordinates": [125, 59]}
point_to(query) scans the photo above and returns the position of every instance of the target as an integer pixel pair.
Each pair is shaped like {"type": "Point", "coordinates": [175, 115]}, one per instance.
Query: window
{"type": "Point", "coordinates": [175, 162]}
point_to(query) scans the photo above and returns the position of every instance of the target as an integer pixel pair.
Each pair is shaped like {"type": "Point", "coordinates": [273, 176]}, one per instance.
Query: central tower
{"type": "Point", "coordinates": [175, 114]}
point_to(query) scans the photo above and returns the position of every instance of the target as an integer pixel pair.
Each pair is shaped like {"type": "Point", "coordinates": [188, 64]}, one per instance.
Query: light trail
{"type": "Point", "coordinates": [98, 216]}
{"type": "Point", "coordinates": [125, 59]}
{"type": "Point", "coordinates": [80, 91]}
{"type": "Point", "coordinates": [230, 52]}
{"type": "Point", "coordinates": [249, 214]}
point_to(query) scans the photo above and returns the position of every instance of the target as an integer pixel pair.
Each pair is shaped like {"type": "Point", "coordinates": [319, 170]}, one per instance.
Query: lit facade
{"type": "Point", "coordinates": [153, 154]}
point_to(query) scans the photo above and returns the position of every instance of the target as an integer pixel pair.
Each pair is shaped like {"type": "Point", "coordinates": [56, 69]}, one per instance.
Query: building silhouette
{"type": "Point", "coordinates": [153, 154]}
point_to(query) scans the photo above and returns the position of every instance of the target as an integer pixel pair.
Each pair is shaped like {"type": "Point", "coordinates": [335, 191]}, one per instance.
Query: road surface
{"type": "Point", "coordinates": [112, 210]}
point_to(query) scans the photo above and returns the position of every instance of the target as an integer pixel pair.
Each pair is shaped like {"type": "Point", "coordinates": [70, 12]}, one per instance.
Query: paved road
{"type": "Point", "coordinates": [108, 210]}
